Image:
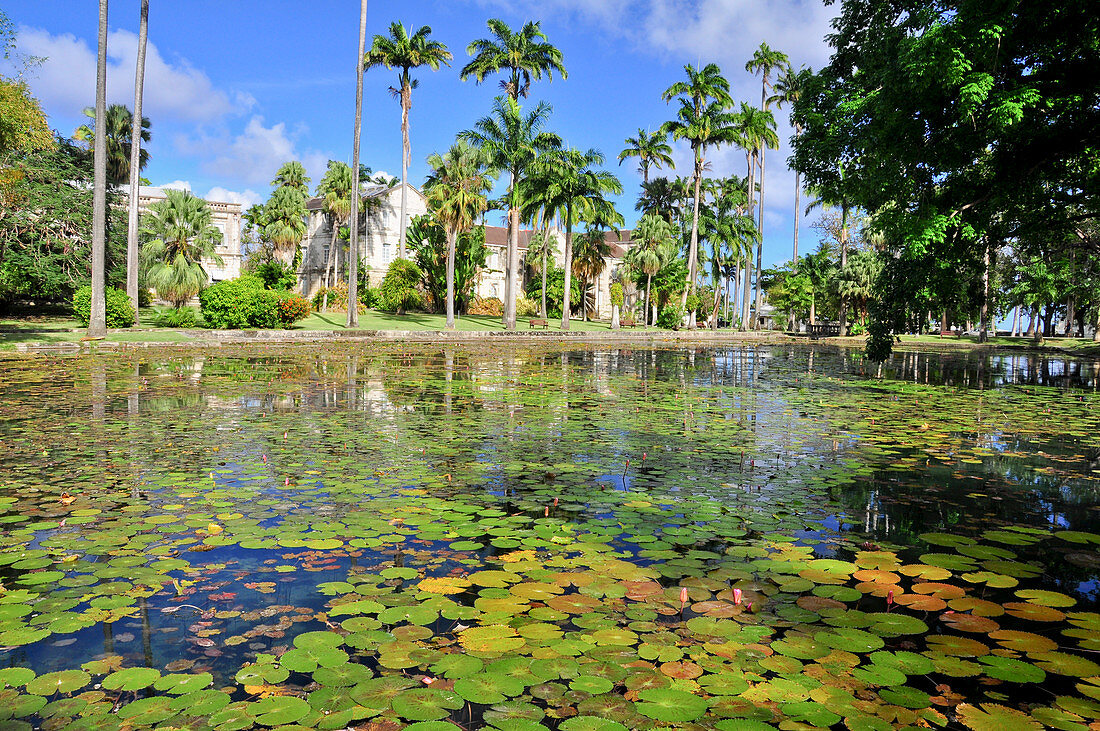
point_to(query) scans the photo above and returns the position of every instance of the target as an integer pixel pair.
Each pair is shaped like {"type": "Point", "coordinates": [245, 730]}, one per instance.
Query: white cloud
{"type": "Point", "coordinates": [184, 185]}
{"type": "Point", "coordinates": [65, 82]}
{"type": "Point", "coordinates": [254, 155]}
{"type": "Point", "coordinates": [246, 198]}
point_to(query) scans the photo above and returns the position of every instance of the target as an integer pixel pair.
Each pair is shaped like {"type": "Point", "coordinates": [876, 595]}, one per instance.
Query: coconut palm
{"type": "Point", "coordinates": [704, 121]}
{"type": "Point", "coordinates": [536, 208]}
{"type": "Point", "coordinates": [178, 232]}
{"type": "Point", "coordinates": [525, 56]}
{"type": "Point", "coordinates": [353, 263]}
{"type": "Point", "coordinates": [136, 132]}
{"type": "Point", "coordinates": [400, 50]}
{"type": "Point", "coordinates": [335, 192]}
{"type": "Point", "coordinates": [788, 90]}
{"type": "Point", "coordinates": [118, 126]}
{"type": "Point", "coordinates": [284, 215]}
{"type": "Point", "coordinates": [652, 150]}
{"type": "Point", "coordinates": [457, 191]}
{"type": "Point", "coordinates": [97, 320]}
{"type": "Point", "coordinates": [512, 141]}
{"type": "Point", "coordinates": [577, 188]}
{"type": "Point", "coordinates": [651, 236]}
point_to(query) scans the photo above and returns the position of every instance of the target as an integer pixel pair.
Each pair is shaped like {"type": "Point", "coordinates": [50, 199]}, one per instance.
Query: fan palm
{"type": "Point", "coordinates": [575, 188]}
{"type": "Point", "coordinates": [284, 216]}
{"type": "Point", "coordinates": [335, 191]}
{"type": "Point", "coordinates": [178, 233]}
{"type": "Point", "coordinates": [457, 190]}
{"type": "Point", "coordinates": [651, 236]}
{"type": "Point", "coordinates": [118, 125]}
{"type": "Point", "coordinates": [512, 140]}
{"type": "Point", "coordinates": [525, 55]}
{"type": "Point", "coordinates": [652, 150]}
{"type": "Point", "coordinates": [399, 50]}
{"type": "Point", "coordinates": [704, 121]}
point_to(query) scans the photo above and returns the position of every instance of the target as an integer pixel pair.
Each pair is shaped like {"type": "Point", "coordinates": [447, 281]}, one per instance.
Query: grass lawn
{"type": "Point", "coordinates": [374, 320]}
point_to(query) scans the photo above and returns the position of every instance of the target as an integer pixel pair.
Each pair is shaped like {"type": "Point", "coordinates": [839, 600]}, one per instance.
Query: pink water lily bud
{"type": "Point", "coordinates": [555, 502]}
{"type": "Point", "coordinates": [736, 596]}
{"type": "Point", "coordinates": [683, 596]}
{"type": "Point", "coordinates": [546, 512]}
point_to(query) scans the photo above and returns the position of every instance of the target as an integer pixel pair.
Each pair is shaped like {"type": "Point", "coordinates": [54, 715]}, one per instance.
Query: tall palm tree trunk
{"type": "Point", "coordinates": [759, 299]}
{"type": "Point", "coordinates": [452, 236]}
{"type": "Point", "coordinates": [353, 219]}
{"type": "Point", "coordinates": [510, 269]}
{"type": "Point", "coordinates": [135, 166]}
{"type": "Point", "coordinates": [406, 154]}
{"type": "Point", "coordinates": [545, 249]}
{"type": "Point", "coordinates": [329, 265]}
{"type": "Point", "coordinates": [746, 295]}
{"type": "Point", "coordinates": [693, 249]}
{"type": "Point", "coordinates": [797, 213]}
{"type": "Point", "coordinates": [568, 266]}
{"type": "Point", "coordinates": [843, 264]}
{"type": "Point", "coordinates": [645, 313]}
{"type": "Point", "coordinates": [97, 321]}
{"type": "Point", "coordinates": [983, 336]}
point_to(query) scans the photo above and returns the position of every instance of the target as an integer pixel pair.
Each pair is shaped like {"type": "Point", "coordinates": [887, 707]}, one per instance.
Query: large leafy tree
{"type": "Point", "coordinates": [405, 52]}
{"type": "Point", "coordinates": [118, 132]}
{"type": "Point", "coordinates": [23, 126]}
{"type": "Point", "coordinates": [577, 188]}
{"type": "Point", "coordinates": [962, 125]}
{"type": "Point", "coordinates": [651, 149]}
{"type": "Point", "coordinates": [524, 55]}
{"type": "Point", "coordinates": [704, 120]}
{"type": "Point", "coordinates": [590, 257]}
{"type": "Point", "coordinates": [512, 139]}
{"type": "Point", "coordinates": [457, 191]}
{"type": "Point", "coordinates": [179, 233]}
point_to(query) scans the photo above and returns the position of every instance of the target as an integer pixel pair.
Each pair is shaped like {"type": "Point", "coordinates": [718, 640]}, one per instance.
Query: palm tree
{"type": "Point", "coordinates": [534, 194]}
{"type": "Point", "coordinates": [733, 231]}
{"type": "Point", "coordinates": [590, 257]}
{"type": "Point", "coordinates": [756, 129]}
{"type": "Point", "coordinates": [788, 90]}
{"type": "Point", "coordinates": [661, 197]}
{"type": "Point", "coordinates": [178, 232]}
{"type": "Point", "coordinates": [652, 150]}
{"type": "Point", "coordinates": [119, 126]}
{"type": "Point", "coordinates": [525, 55]}
{"type": "Point", "coordinates": [651, 234]}
{"type": "Point", "coordinates": [576, 187]}
{"type": "Point", "coordinates": [406, 52]}
{"type": "Point", "coordinates": [704, 121]}
{"type": "Point", "coordinates": [335, 190]}
{"type": "Point", "coordinates": [512, 141]}
{"type": "Point", "coordinates": [353, 263]}
{"type": "Point", "coordinates": [97, 320]}
{"type": "Point", "coordinates": [764, 61]}
{"type": "Point", "coordinates": [137, 131]}
{"type": "Point", "coordinates": [457, 190]}
{"type": "Point", "coordinates": [285, 222]}
{"type": "Point", "coordinates": [292, 175]}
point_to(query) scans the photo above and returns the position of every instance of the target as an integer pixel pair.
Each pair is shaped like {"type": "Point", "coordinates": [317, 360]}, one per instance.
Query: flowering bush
{"type": "Point", "coordinates": [292, 308]}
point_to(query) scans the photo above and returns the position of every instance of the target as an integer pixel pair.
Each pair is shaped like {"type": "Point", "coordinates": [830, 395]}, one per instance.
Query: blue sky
{"type": "Point", "coordinates": [235, 88]}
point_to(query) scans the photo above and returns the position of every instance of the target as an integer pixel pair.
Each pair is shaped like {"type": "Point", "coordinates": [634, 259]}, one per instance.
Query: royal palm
{"type": "Point", "coordinates": [118, 127]}
{"type": "Point", "coordinates": [405, 52]}
{"type": "Point", "coordinates": [335, 192]}
{"type": "Point", "coordinates": [524, 56]}
{"type": "Point", "coordinates": [651, 236]}
{"type": "Point", "coordinates": [457, 191]}
{"type": "Point", "coordinates": [652, 150]}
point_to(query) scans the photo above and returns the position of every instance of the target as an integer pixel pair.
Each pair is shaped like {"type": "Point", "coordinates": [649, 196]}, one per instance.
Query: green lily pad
{"type": "Point", "coordinates": [671, 706]}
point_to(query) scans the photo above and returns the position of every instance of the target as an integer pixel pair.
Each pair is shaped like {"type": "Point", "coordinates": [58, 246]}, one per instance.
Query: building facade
{"type": "Point", "coordinates": [379, 233]}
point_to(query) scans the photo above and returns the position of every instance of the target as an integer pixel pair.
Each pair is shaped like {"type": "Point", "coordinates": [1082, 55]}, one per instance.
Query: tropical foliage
{"type": "Point", "coordinates": [178, 233]}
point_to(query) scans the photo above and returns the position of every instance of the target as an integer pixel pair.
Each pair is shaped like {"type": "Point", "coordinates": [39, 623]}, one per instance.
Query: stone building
{"type": "Point", "coordinates": [226, 218]}
{"type": "Point", "coordinates": [380, 230]}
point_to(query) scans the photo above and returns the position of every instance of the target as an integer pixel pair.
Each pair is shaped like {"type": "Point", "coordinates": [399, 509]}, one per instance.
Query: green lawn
{"type": "Point", "coordinates": [373, 320]}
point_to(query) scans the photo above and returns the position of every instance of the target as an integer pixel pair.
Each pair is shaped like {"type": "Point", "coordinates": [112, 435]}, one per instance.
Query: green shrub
{"type": "Point", "coordinates": [670, 317]}
{"type": "Point", "coordinates": [338, 298]}
{"type": "Point", "coordinates": [400, 287]}
{"type": "Point", "coordinates": [183, 317]}
{"type": "Point", "coordinates": [240, 303]}
{"type": "Point", "coordinates": [369, 296]}
{"type": "Point", "coordinates": [693, 302]}
{"type": "Point", "coordinates": [526, 307]}
{"type": "Point", "coordinates": [617, 294]}
{"type": "Point", "coordinates": [117, 305]}
{"type": "Point", "coordinates": [277, 275]}
{"type": "Point", "coordinates": [292, 308]}
{"type": "Point", "coordinates": [145, 297]}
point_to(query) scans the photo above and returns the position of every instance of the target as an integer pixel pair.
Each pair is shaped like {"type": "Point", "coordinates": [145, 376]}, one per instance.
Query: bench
{"type": "Point", "coordinates": [823, 331]}
{"type": "Point", "coordinates": [628, 322]}
{"type": "Point", "coordinates": [544, 324]}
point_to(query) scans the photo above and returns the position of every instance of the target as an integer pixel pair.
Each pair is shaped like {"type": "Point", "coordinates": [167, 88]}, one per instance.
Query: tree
{"type": "Point", "coordinates": [137, 134]}
{"type": "Point", "coordinates": [428, 240]}
{"type": "Point", "coordinates": [575, 188]}
{"type": "Point", "coordinates": [23, 126]}
{"type": "Point", "coordinates": [406, 52]}
{"type": "Point", "coordinates": [97, 321]}
{"type": "Point", "coordinates": [118, 127]}
{"type": "Point", "coordinates": [652, 150]}
{"type": "Point", "coordinates": [590, 258]}
{"type": "Point", "coordinates": [457, 191]}
{"type": "Point", "coordinates": [662, 197]}
{"type": "Point", "coordinates": [702, 120]}
{"type": "Point", "coordinates": [788, 90]}
{"type": "Point", "coordinates": [179, 233]}
{"type": "Point", "coordinates": [285, 211]}
{"type": "Point", "coordinates": [353, 264]}
{"type": "Point", "coordinates": [335, 191]}
{"type": "Point", "coordinates": [651, 236]}
{"type": "Point", "coordinates": [292, 175]}
{"type": "Point", "coordinates": [512, 140]}
{"type": "Point", "coordinates": [525, 55]}
{"type": "Point", "coordinates": [958, 126]}
{"type": "Point", "coordinates": [756, 129]}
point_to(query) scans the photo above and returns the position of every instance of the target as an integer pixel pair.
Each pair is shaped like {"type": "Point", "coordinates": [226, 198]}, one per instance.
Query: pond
{"type": "Point", "coordinates": [527, 537]}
